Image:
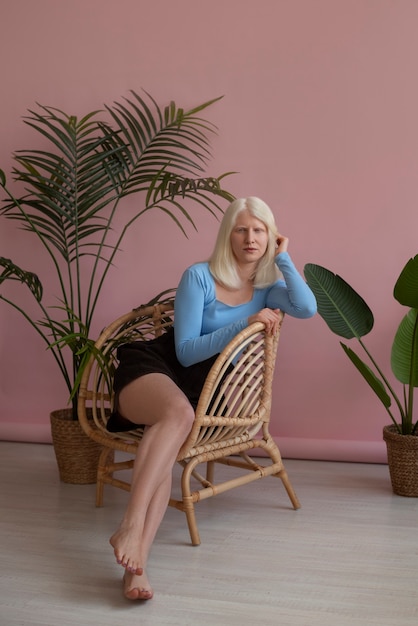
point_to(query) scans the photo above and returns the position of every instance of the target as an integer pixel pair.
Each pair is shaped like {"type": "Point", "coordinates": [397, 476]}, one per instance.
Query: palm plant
{"type": "Point", "coordinates": [73, 191]}
{"type": "Point", "coordinates": [348, 316]}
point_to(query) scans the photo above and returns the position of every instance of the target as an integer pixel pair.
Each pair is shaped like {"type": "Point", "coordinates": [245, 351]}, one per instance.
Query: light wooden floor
{"type": "Point", "coordinates": [348, 557]}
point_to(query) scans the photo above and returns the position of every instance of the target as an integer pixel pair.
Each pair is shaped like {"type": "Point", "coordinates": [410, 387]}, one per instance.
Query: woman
{"type": "Point", "coordinates": [249, 278]}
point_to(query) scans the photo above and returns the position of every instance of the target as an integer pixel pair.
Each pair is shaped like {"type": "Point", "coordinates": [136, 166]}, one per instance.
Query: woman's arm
{"type": "Point", "coordinates": [192, 347]}
{"type": "Point", "coordinates": [292, 295]}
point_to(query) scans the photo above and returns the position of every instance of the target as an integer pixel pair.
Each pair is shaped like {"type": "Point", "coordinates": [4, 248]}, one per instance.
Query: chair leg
{"type": "Point", "coordinates": [187, 504]}
{"type": "Point", "coordinates": [289, 489]}
{"type": "Point", "coordinates": [188, 508]}
{"type": "Point", "coordinates": [106, 457]}
{"type": "Point", "coordinates": [210, 471]}
{"type": "Point", "coordinates": [274, 452]}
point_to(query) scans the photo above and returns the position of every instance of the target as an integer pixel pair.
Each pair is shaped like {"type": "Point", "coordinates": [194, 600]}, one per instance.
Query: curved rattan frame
{"type": "Point", "coordinates": [231, 419]}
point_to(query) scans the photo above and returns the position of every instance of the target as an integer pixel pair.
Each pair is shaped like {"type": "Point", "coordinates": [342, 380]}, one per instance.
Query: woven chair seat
{"type": "Point", "coordinates": [231, 418]}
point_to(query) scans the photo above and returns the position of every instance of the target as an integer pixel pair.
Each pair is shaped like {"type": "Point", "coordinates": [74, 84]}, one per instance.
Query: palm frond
{"type": "Point", "coordinates": [11, 271]}
{"type": "Point", "coordinates": [72, 190]}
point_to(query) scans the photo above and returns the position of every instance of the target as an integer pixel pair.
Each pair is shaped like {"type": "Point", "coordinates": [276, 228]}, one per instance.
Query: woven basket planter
{"type": "Point", "coordinates": [77, 455]}
{"type": "Point", "coordinates": [403, 461]}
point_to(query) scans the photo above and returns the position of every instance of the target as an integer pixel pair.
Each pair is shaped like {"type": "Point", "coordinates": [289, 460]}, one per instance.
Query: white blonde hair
{"type": "Point", "coordinates": [222, 262]}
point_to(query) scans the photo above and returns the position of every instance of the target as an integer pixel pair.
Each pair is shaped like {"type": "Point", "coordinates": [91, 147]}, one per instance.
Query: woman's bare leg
{"type": "Point", "coordinates": [137, 587]}
{"type": "Point", "coordinates": [156, 401]}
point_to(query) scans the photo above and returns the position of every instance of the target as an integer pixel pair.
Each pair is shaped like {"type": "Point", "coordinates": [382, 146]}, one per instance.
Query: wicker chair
{"type": "Point", "coordinates": [232, 416]}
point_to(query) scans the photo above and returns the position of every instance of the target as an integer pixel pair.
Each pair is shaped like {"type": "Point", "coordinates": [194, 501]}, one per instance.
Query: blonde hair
{"type": "Point", "coordinates": [222, 262]}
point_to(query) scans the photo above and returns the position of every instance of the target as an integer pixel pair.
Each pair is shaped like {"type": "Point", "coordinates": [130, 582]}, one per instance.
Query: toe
{"type": "Point", "coordinates": [136, 593]}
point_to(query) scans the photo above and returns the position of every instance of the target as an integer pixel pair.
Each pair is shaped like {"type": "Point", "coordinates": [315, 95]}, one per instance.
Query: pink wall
{"type": "Point", "coordinates": [319, 118]}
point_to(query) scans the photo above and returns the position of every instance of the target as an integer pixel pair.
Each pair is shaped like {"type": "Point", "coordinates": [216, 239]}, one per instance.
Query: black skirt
{"type": "Point", "coordinates": [155, 356]}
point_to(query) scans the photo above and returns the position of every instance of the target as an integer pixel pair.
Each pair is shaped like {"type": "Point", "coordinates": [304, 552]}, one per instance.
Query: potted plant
{"type": "Point", "coordinates": [71, 191]}
{"type": "Point", "coordinates": [348, 316]}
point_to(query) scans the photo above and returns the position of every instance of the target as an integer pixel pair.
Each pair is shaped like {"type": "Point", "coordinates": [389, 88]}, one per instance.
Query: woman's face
{"type": "Point", "coordinates": [249, 238]}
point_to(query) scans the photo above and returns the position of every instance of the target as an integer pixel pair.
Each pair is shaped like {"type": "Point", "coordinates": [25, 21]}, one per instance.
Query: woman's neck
{"type": "Point", "coordinates": [246, 273]}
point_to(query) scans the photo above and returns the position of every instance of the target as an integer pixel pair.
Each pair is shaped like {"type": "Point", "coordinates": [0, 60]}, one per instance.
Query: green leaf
{"type": "Point", "coordinates": [404, 355]}
{"type": "Point", "coordinates": [343, 309]}
{"type": "Point", "coordinates": [203, 106]}
{"type": "Point", "coordinates": [375, 383]}
{"type": "Point", "coordinates": [406, 287]}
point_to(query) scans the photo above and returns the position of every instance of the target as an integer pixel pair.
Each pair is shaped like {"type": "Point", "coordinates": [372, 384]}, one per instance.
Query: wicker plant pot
{"type": "Point", "coordinates": [77, 455]}
{"type": "Point", "coordinates": [403, 461]}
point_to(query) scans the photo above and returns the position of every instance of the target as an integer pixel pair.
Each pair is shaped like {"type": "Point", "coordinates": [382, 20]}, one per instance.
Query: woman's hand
{"type": "Point", "coordinates": [281, 243]}
{"type": "Point", "coordinates": [270, 319]}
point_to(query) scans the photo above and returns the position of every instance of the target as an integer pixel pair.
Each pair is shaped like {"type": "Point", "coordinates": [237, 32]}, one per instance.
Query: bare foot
{"type": "Point", "coordinates": [127, 550]}
{"type": "Point", "coordinates": [137, 587]}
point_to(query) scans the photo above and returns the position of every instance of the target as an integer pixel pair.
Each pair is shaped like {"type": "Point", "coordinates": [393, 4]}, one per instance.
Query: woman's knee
{"type": "Point", "coordinates": [155, 398]}
{"type": "Point", "coordinates": [182, 412]}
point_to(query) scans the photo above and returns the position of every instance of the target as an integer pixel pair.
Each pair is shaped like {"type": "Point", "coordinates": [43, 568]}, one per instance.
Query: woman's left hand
{"type": "Point", "coordinates": [282, 243]}
{"type": "Point", "coordinates": [269, 317]}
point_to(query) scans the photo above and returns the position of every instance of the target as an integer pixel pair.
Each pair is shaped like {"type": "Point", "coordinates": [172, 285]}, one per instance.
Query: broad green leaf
{"type": "Point", "coordinates": [404, 355]}
{"type": "Point", "coordinates": [375, 383]}
{"type": "Point", "coordinates": [406, 287]}
{"type": "Point", "coordinates": [343, 309]}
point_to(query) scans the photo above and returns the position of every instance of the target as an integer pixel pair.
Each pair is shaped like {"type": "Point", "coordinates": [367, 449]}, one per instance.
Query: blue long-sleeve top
{"type": "Point", "coordinates": [203, 326]}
